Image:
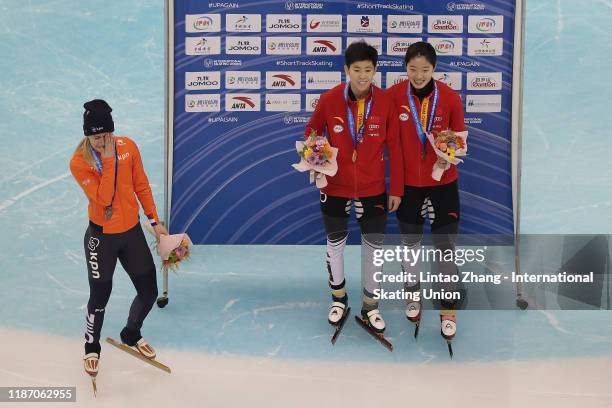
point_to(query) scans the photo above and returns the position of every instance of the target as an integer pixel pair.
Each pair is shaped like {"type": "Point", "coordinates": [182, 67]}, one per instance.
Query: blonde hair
{"type": "Point", "coordinates": [84, 147]}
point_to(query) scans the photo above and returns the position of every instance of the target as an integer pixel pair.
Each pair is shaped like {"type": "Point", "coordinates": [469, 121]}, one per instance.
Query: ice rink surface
{"type": "Point", "coordinates": [248, 324]}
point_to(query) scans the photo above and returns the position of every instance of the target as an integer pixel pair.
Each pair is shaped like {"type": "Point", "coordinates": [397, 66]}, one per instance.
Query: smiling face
{"type": "Point", "coordinates": [360, 74]}
{"type": "Point", "coordinates": [420, 71]}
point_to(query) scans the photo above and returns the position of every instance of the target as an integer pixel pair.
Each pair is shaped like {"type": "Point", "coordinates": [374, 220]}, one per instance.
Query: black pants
{"type": "Point", "coordinates": [101, 252]}
{"type": "Point", "coordinates": [371, 214]}
{"type": "Point", "coordinates": [441, 205]}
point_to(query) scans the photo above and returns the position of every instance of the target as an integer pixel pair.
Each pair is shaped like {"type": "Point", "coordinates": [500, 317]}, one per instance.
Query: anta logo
{"type": "Point", "coordinates": [373, 126]}
{"type": "Point", "coordinates": [438, 119]}
{"type": "Point", "coordinates": [324, 46]}
{"type": "Point", "coordinates": [120, 142]}
{"type": "Point", "coordinates": [242, 102]}
{"type": "Point", "coordinates": [86, 182]}
{"type": "Point", "coordinates": [339, 119]}
{"type": "Point", "coordinates": [284, 80]}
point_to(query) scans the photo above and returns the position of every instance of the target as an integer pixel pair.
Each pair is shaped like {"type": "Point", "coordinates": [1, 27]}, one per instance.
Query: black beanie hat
{"type": "Point", "coordinates": [97, 117]}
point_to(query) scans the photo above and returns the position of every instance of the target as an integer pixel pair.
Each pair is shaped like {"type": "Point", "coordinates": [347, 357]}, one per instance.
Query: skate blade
{"type": "Point", "coordinates": [450, 348]}
{"type": "Point", "coordinates": [94, 386]}
{"type": "Point", "coordinates": [340, 326]}
{"type": "Point", "coordinates": [377, 336]}
{"type": "Point", "coordinates": [139, 356]}
{"type": "Point", "coordinates": [417, 325]}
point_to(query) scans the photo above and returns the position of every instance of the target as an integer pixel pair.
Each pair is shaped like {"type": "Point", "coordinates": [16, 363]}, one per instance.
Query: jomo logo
{"type": "Point", "coordinates": [485, 24]}
{"type": "Point", "coordinates": [447, 46]}
{"type": "Point", "coordinates": [283, 80]}
{"type": "Point", "coordinates": [324, 46]}
{"type": "Point", "coordinates": [199, 81]}
{"type": "Point", "coordinates": [283, 23]}
{"type": "Point", "coordinates": [243, 45]}
{"type": "Point", "coordinates": [242, 102]}
{"type": "Point", "coordinates": [202, 23]}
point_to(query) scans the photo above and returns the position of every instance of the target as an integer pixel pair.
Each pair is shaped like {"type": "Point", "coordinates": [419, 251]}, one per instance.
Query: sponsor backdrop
{"type": "Point", "coordinates": [248, 74]}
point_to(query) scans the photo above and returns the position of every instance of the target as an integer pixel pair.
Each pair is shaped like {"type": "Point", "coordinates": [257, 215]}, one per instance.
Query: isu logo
{"type": "Point", "coordinates": [365, 21]}
{"type": "Point", "coordinates": [324, 46]}
{"type": "Point", "coordinates": [283, 81]}
{"type": "Point", "coordinates": [241, 102]}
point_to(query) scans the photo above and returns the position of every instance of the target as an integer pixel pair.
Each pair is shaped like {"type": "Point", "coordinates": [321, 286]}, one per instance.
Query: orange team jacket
{"type": "Point", "coordinates": [131, 182]}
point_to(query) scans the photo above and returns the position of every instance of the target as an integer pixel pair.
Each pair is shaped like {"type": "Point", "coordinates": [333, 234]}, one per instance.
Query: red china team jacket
{"type": "Point", "coordinates": [366, 176]}
{"type": "Point", "coordinates": [449, 115]}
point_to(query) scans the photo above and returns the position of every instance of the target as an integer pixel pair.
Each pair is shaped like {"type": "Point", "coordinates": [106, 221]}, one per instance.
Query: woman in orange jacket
{"type": "Point", "coordinates": [109, 170]}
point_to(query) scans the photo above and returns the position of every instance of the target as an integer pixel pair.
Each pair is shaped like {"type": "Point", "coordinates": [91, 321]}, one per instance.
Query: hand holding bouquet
{"type": "Point", "coordinates": [173, 249]}
{"type": "Point", "coordinates": [318, 157]}
{"type": "Point", "coordinates": [449, 146]}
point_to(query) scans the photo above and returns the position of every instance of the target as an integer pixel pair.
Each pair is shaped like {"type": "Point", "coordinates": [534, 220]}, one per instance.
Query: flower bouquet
{"type": "Point", "coordinates": [318, 157]}
{"type": "Point", "coordinates": [173, 249]}
{"type": "Point", "coordinates": [449, 146]}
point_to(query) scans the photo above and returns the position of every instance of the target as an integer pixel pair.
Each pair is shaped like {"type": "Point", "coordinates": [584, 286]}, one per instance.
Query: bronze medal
{"type": "Point", "coordinates": [108, 212]}
{"type": "Point", "coordinates": [354, 156]}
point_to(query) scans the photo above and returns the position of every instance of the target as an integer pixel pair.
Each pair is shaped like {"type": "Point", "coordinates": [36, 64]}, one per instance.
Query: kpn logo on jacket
{"type": "Point", "coordinates": [242, 102]}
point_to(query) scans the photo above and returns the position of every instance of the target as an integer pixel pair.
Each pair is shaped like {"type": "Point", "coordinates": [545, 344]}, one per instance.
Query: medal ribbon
{"type": "Point", "coordinates": [99, 168]}
{"type": "Point", "coordinates": [357, 136]}
{"type": "Point", "coordinates": [415, 118]}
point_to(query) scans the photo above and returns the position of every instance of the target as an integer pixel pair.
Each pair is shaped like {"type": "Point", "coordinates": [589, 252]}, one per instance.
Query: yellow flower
{"type": "Point", "coordinates": [307, 153]}
{"type": "Point", "coordinates": [451, 153]}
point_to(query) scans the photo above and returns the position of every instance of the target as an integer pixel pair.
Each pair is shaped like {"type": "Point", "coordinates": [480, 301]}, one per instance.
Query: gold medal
{"type": "Point", "coordinates": [354, 156]}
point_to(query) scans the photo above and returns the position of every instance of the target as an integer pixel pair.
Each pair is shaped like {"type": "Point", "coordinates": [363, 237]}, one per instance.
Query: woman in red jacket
{"type": "Point", "coordinates": [425, 105]}
{"type": "Point", "coordinates": [358, 119]}
{"type": "Point", "coordinates": [109, 170]}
